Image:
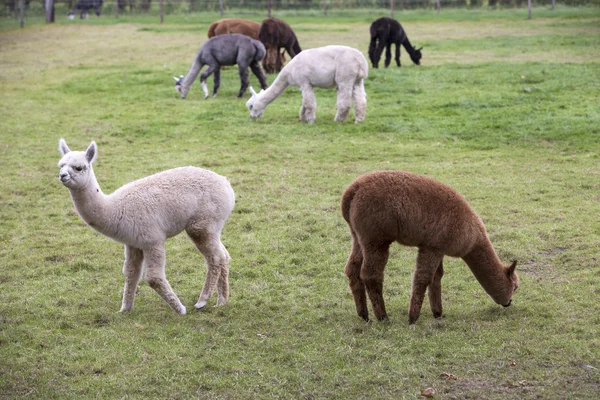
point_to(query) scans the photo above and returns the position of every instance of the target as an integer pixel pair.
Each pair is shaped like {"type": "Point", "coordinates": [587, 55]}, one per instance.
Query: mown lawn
{"type": "Point", "coordinates": [503, 109]}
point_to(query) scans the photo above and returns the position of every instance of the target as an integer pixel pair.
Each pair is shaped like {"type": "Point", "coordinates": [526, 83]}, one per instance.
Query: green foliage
{"type": "Point", "coordinates": [503, 109]}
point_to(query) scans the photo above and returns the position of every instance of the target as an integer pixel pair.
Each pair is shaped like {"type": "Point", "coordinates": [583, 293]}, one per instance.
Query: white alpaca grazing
{"type": "Point", "coordinates": [341, 67]}
{"type": "Point", "coordinates": [144, 213]}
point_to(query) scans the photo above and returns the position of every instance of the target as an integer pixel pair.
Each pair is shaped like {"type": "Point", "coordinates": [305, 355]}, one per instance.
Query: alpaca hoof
{"type": "Point", "coordinates": [439, 315]}
{"type": "Point", "coordinates": [200, 305]}
{"type": "Point", "coordinates": [125, 309]}
{"type": "Point", "coordinates": [182, 310]}
{"type": "Point", "coordinates": [221, 301]}
{"type": "Point", "coordinates": [383, 317]}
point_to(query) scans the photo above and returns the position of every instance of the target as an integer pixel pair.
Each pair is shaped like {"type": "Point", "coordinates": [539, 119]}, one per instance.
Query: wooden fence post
{"type": "Point", "coordinates": [117, 8]}
{"type": "Point", "coordinates": [49, 10]}
{"type": "Point", "coordinates": [221, 7]}
{"type": "Point", "coordinates": [269, 8]}
{"type": "Point", "coordinates": [324, 8]}
{"type": "Point", "coordinates": [392, 8]}
{"type": "Point", "coordinates": [529, 7]}
{"type": "Point", "coordinates": [21, 13]}
{"type": "Point", "coordinates": [162, 12]}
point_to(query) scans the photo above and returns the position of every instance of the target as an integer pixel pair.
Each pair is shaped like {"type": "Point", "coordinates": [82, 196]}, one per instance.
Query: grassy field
{"type": "Point", "coordinates": [503, 109]}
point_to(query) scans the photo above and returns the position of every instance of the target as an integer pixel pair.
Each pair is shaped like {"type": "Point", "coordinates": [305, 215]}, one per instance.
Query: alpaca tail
{"type": "Point", "coordinates": [347, 198]}
{"type": "Point", "coordinates": [212, 28]}
{"type": "Point", "coordinates": [261, 52]}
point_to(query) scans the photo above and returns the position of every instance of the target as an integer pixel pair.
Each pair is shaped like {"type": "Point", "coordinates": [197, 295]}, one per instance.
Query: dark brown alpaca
{"type": "Point", "coordinates": [395, 206]}
{"type": "Point", "coordinates": [276, 34]}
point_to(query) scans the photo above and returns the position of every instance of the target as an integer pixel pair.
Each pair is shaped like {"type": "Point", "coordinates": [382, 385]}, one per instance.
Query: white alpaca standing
{"type": "Point", "coordinates": [144, 213]}
{"type": "Point", "coordinates": [342, 67]}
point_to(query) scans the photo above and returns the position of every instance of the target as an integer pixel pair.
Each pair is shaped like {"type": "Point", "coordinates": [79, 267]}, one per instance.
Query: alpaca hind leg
{"type": "Point", "coordinates": [360, 101]}
{"type": "Point", "coordinates": [372, 272]}
{"type": "Point", "coordinates": [427, 263]}
{"type": "Point", "coordinates": [244, 80]}
{"type": "Point", "coordinates": [344, 102]}
{"type": "Point", "coordinates": [217, 264]}
{"type": "Point", "coordinates": [357, 286]}
{"type": "Point", "coordinates": [217, 81]}
{"type": "Point", "coordinates": [259, 73]}
{"type": "Point", "coordinates": [434, 292]}
{"type": "Point", "coordinates": [154, 262]}
{"type": "Point", "coordinates": [308, 110]}
{"type": "Point", "coordinates": [398, 53]}
{"type": "Point", "coordinates": [132, 269]}
{"type": "Point", "coordinates": [223, 282]}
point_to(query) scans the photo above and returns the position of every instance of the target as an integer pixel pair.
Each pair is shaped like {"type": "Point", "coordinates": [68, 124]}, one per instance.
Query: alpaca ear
{"type": "Point", "coordinates": [91, 153]}
{"type": "Point", "coordinates": [252, 91]}
{"type": "Point", "coordinates": [62, 147]}
{"type": "Point", "coordinates": [511, 269]}
{"type": "Point", "coordinates": [176, 79]}
{"type": "Point", "coordinates": [420, 48]}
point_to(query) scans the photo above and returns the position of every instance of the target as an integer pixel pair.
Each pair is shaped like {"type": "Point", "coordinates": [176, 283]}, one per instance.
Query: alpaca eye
{"type": "Point", "coordinates": [251, 106]}
{"type": "Point", "coordinates": [78, 169]}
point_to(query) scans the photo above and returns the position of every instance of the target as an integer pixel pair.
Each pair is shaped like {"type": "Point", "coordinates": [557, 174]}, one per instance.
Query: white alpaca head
{"type": "Point", "coordinates": [256, 107]}
{"type": "Point", "coordinates": [76, 166]}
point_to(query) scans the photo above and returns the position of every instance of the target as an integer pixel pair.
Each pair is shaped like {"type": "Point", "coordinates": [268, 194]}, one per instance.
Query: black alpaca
{"type": "Point", "coordinates": [385, 32]}
{"type": "Point", "coordinates": [83, 6]}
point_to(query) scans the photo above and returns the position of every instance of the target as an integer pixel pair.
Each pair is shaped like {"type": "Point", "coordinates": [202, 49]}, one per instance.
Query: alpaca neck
{"type": "Point", "coordinates": [192, 74]}
{"type": "Point", "coordinates": [409, 48]}
{"type": "Point", "coordinates": [276, 88]}
{"type": "Point", "coordinates": [489, 271]}
{"type": "Point", "coordinates": [92, 205]}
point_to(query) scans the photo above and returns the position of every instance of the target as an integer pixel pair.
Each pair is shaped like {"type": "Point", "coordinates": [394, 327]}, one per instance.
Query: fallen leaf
{"type": "Point", "coordinates": [448, 376]}
{"type": "Point", "coordinates": [513, 363]}
{"type": "Point", "coordinates": [429, 392]}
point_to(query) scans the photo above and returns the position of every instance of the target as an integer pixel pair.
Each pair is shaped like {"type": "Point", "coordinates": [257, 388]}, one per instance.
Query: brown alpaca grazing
{"type": "Point", "coordinates": [276, 34]}
{"type": "Point", "coordinates": [234, 25]}
{"type": "Point", "coordinates": [383, 207]}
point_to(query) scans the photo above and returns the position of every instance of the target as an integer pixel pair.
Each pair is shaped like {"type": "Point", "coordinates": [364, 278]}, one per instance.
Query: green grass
{"type": "Point", "coordinates": [503, 109]}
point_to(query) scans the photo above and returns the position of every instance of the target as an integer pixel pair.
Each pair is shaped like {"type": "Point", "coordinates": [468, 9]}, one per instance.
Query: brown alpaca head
{"type": "Point", "coordinates": [505, 291]}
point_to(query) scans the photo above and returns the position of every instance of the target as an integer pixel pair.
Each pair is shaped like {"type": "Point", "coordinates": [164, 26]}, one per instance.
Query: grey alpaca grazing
{"type": "Point", "coordinates": [221, 50]}
{"type": "Point", "coordinates": [144, 213]}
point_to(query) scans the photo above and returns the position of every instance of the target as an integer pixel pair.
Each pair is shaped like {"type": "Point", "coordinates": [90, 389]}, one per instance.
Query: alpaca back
{"type": "Point", "coordinates": [162, 205]}
{"type": "Point", "coordinates": [413, 210]}
{"type": "Point", "coordinates": [234, 25]}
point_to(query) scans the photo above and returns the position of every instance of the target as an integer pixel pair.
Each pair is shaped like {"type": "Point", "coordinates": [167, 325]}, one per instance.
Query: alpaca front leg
{"type": "Point", "coordinates": [154, 261]}
{"type": "Point", "coordinates": [132, 269]}
{"type": "Point", "coordinates": [434, 292]}
{"type": "Point", "coordinates": [308, 110]}
{"type": "Point", "coordinates": [398, 54]}
{"type": "Point", "coordinates": [371, 273]}
{"type": "Point", "coordinates": [388, 54]}
{"type": "Point", "coordinates": [427, 263]}
{"type": "Point", "coordinates": [204, 77]}
{"type": "Point", "coordinates": [357, 286]}
{"type": "Point", "coordinates": [344, 103]}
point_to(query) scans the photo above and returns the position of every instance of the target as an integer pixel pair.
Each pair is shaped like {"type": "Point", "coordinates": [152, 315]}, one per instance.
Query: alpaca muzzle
{"type": "Point", "coordinates": [507, 304]}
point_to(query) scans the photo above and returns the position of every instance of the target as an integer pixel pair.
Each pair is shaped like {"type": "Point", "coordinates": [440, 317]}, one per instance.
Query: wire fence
{"type": "Point", "coordinates": [115, 8]}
